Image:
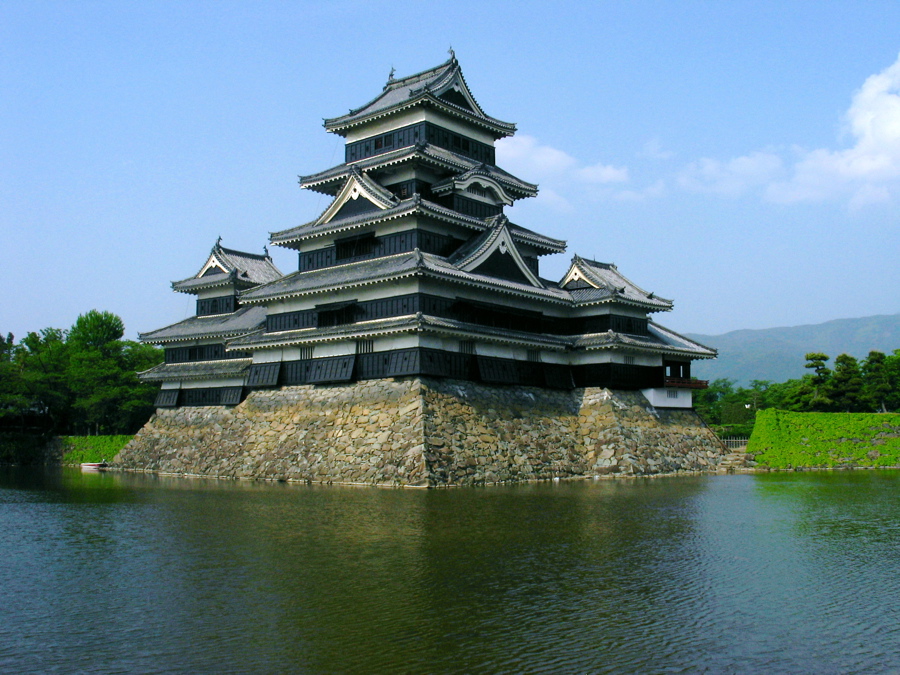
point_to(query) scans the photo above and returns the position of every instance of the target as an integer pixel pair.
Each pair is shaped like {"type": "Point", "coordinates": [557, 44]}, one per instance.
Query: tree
{"type": "Point", "coordinates": [708, 402]}
{"type": "Point", "coordinates": [876, 381]}
{"type": "Point", "coordinates": [43, 359]}
{"type": "Point", "coordinates": [14, 402]}
{"type": "Point", "coordinates": [846, 385]}
{"type": "Point", "coordinates": [812, 395]}
{"type": "Point", "coordinates": [108, 395]}
{"type": "Point", "coordinates": [97, 330]}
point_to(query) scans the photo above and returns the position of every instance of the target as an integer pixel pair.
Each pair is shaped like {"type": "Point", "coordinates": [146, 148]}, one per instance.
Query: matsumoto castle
{"type": "Point", "coordinates": [415, 270]}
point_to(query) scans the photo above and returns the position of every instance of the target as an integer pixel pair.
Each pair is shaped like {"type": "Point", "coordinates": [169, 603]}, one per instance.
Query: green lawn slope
{"type": "Point", "coordinates": [789, 440]}
{"type": "Point", "coordinates": [78, 449]}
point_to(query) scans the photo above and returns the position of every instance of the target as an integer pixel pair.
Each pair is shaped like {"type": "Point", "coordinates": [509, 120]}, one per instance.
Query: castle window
{"type": "Point", "coordinates": [534, 355]}
{"type": "Point", "coordinates": [467, 346]}
{"type": "Point", "coordinates": [365, 346]}
{"type": "Point", "coordinates": [672, 393]}
{"type": "Point", "coordinates": [354, 247]}
{"type": "Point", "coordinates": [629, 360]}
{"type": "Point", "coordinates": [306, 353]}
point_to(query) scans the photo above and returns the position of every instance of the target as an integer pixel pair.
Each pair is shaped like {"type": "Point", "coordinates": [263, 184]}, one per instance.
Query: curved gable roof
{"type": "Point", "coordinates": [225, 266]}
{"type": "Point", "coordinates": [429, 87]}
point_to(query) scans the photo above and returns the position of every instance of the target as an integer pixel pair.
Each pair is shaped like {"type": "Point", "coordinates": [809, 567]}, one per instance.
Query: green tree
{"type": "Point", "coordinates": [43, 360]}
{"type": "Point", "coordinates": [14, 402]}
{"type": "Point", "coordinates": [876, 381]}
{"type": "Point", "coordinates": [892, 368]}
{"type": "Point", "coordinates": [108, 397]}
{"type": "Point", "coordinates": [708, 402]}
{"type": "Point", "coordinates": [846, 385]}
{"type": "Point", "coordinates": [812, 394]}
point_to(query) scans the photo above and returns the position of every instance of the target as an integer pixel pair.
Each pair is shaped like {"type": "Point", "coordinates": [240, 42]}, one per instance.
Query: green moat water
{"type": "Point", "coordinates": [794, 572]}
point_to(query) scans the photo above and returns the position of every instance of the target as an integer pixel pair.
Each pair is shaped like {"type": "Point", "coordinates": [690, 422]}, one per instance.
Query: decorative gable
{"type": "Point", "coordinates": [360, 194]}
{"type": "Point", "coordinates": [590, 282]}
{"type": "Point", "coordinates": [495, 253]}
{"type": "Point", "coordinates": [475, 182]}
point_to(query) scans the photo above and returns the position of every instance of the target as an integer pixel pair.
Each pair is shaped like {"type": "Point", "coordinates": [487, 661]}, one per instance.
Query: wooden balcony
{"type": "Point", "coordinates": [682, 383]}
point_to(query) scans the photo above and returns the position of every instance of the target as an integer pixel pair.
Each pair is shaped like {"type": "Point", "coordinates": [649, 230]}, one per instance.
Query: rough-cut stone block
{"type": "Point", "coordinates": [424, 432]}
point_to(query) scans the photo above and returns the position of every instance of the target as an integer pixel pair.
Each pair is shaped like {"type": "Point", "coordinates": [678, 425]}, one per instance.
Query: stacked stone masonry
{"type": "Point", "coordinates": [424, 432]}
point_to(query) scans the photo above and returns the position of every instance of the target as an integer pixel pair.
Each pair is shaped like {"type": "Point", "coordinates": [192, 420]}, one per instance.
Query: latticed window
{"type": "Point", "coordinates": [365, 346]}
{"type": "Point", "coordinates": [467, 346]}
{"type": "Point", "coordinates": [534, 355]}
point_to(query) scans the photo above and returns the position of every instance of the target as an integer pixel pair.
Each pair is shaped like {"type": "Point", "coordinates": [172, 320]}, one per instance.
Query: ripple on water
{"type": "Point", "coordinates": [786, 573]}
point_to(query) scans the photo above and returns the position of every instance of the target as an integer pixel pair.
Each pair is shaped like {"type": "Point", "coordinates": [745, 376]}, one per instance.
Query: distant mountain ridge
{"type": "Point", "coordinates": [776, 354]}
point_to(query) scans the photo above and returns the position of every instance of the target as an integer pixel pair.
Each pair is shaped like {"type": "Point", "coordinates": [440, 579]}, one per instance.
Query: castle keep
{"type": "Point", "coordinates": [415, 295]}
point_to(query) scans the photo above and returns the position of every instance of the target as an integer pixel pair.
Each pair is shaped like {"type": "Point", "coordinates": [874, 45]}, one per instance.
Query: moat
{"type": "Point", "coordinates": [786, 572]}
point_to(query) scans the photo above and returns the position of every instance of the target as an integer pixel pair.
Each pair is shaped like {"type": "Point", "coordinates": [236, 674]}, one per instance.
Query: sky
{"type": "Point", "coordinates": [741, 158]}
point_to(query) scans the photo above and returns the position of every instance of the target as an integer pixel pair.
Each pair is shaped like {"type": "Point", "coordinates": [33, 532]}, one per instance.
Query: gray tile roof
{"type": "Point", "coordinates": [363, 329]}
{"type": "Point", "coordinates": [611, 285]}
{"type": "Point", "coordinates": [244, 320]}
{"type": "Point", "coordinates": [196, 370]}
{"type": "Point", "coordinates": [414, 205]}
{"type": "Point", "coordinates": [422, 88]}
{"type": "Point", "coordinates": [661, 340]}
{"type": "Point", "coordinates": [340, 276]}
{"type": "Point", "coordinates": [380, 270]}
{"type": "Point", "coordinates": [330, 180]}
{"type": "Point", "coordinates": [242, 269]}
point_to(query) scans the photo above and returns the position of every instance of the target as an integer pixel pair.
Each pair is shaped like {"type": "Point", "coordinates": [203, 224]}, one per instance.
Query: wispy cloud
{"type": "Point", "coordinates": [866, 173]}
{"type": "Point", "coordinates": [555, 170]}
{"type": "Point", "coordinates": [733, 178]}
{"type": "Point", "coordinates": [653, 150]}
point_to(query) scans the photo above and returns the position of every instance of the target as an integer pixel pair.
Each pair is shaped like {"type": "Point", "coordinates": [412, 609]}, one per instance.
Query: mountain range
{"type": "Point", "coordinates": [777, 354]}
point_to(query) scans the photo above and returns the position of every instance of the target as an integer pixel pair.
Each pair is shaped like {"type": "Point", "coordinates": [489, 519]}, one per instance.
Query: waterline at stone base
{"type": "Point", "coordinates": [423, 432]}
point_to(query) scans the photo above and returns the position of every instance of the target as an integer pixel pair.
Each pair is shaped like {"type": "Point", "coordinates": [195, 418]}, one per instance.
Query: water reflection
{"type": "Point", "coordinates": [138, 573]}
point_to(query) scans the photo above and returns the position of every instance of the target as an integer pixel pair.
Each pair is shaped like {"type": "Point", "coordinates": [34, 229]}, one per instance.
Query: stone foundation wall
{"type": "Point", "coordinates": [424, 432]}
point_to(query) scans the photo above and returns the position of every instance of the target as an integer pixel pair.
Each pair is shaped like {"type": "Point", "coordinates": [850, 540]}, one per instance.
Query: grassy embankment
{"type": "Point", "coordinates": [789, 440]}
{"type": "Point", "coordinates": [78, 449]}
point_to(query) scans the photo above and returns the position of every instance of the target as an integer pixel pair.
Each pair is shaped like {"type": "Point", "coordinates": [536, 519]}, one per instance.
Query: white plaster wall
{"type": "Point", "coordinates": [390, 342]}
{"type": "Point", "coordinates": [385, 124]}
{"type": "Point", "coordinates": [341, 348]}
{"type": "Point", "coordinates": [408, 117]}
{"type": "Point", "coordinates": [202, 384]}
{"type": "Point", "coordinates": [659, 397]}
{"type": "Point", "coordinates": [217, 292]}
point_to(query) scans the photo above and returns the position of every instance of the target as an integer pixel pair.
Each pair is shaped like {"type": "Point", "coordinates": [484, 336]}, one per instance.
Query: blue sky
{"type": "Point", "coordinates": [742, 158]}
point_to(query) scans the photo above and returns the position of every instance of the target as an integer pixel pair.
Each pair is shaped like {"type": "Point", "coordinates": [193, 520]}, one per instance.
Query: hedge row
{"type": "Point", "coordinates": [786, 440]}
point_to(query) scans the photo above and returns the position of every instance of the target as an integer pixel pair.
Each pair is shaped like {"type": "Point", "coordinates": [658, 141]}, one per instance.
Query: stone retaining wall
{"type": "Point", "coordinates": [424, 432]}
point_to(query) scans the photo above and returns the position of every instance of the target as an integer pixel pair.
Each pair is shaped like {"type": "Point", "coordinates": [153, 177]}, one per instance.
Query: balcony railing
{"type": "Point", "coordinates": [684, 383]}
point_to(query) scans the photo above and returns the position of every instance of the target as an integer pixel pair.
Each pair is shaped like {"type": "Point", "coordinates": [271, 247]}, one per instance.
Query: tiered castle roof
{"type": "Point", "coordinates": [414, 268]}
{"type": "Point", "coordinates": [443, 88]}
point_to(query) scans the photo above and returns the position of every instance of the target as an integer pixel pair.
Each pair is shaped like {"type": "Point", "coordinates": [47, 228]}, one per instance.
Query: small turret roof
{"type": "Point", "coordinates": [197, 370]}
{"type": "Point", "coordinates": [660, 339]}
{"type": "Point", "coordinates": [227, 266]}
{"type": "Point", "coordinates": [442, 87]}
{"type": "Point", "coordinates": [244, 320]}
{"type": "Point", "coordinates": [591, 282]}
